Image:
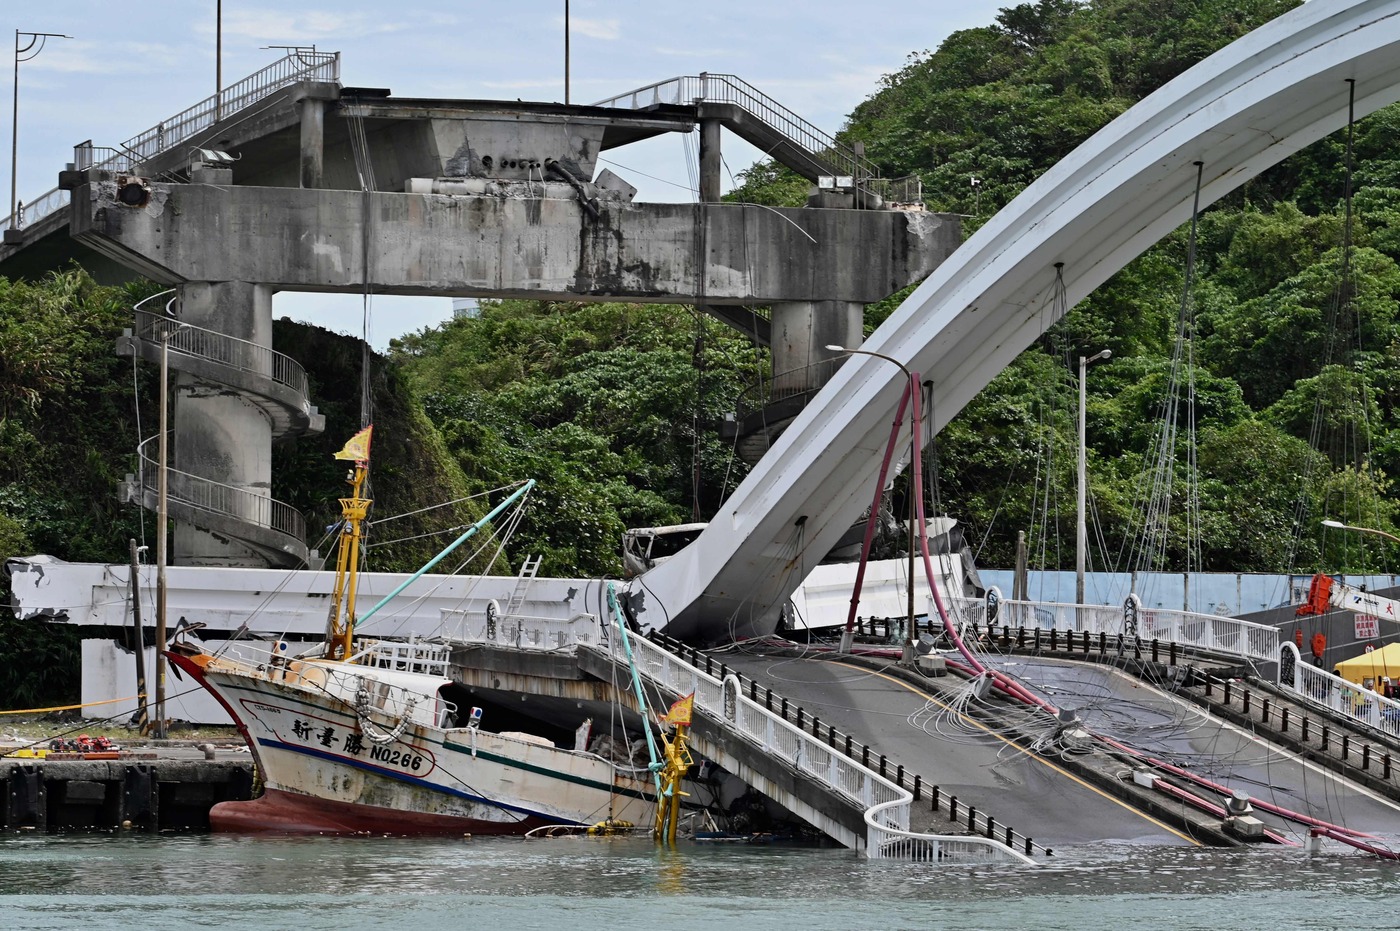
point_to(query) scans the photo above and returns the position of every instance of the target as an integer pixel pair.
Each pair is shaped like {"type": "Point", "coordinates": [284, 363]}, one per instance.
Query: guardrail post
{"type": "Point", "coordinates": [1020, 638]}
{"type": "Point", "coordinates": [1246, 701]}
{"type": "Point", "coordinates": [972, 818]}
{"type": "Point", "coordinates": [865, 755]}
{"type": "Point", "coordinates": [1385, 764]}
{"type": "Point", "coordinates": [1103, 642]}
{"type": "Point", "coordinates": [899, 775]}
{"type": "Point", "coordinates": [1304, 727]}
{"type": "Point", "coordinates": [783, 709]}
{"type": "Point", "coordinates": [953, 808]}
{"type": "Point", "coordinates": [849, 740]}
{"type": "Point", "coordinates": [991, 827]}
{"type": "Point", "coordinates": [768, 698]}
{"type": "Point", "coordinates": [1283, 720]}
{"type": "Point", "coordinates": [1086, 643]}
{"type": "Point", "coordinates": [918, 781]}
{"type": "Point", "coordinates": [801, 717]}
{"type": "Point", "coordinates": [816, 727]}
{"type": "Point", "coordinates": [1346, 746]}
{"type": "Point", "coordinates": [1037, 640]}
{"type": "Point", "coordinates": [1053, 636]}
{"type": "Point", "coordinates": [1326, 736]}
{"type": "Point", "coordinates": [1264, 710]}
{"type": "Point", "coordinates": [1365, 756]}
{"type": "Point", "coordinates": [882, 767]}
{"type": "Point", "coordinates": [1227, 691]}
{"type": "Point", "coordinates": [1171, 653]}
{"type": "Point", "coordinates": [753, 691]}
{"type": "Point", "coordinates": [933, 804]}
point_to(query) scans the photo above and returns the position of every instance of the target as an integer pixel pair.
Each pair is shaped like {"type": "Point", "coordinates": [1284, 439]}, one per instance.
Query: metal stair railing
{"type": "Point", "coordinates": [298, 65]}
{"type": "Point", "coordinates": [730, 89]}
{"type": "Point", "coordinates": [887, 805]}
{"type": "Point", "coordinates": [204, 494]}
{"type": "Point", "coordinates": [220, 348]}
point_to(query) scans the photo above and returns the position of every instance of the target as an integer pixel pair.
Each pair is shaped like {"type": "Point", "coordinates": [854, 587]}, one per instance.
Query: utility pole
{"type": "Point", "coordinates": [1082, 535]}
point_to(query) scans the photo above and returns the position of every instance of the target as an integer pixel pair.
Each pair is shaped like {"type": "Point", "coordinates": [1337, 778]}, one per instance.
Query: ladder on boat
{"type": "Point", "coordinates": [528, 570]}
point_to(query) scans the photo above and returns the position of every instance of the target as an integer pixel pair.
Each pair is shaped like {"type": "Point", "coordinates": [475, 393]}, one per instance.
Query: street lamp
{"type": "Point", "coordinates": [162, 521]}
{"type": "Point", "coordinates": [29, 53]}
{"type": "Point", "coordinates": [1082, 533]}
{"type": "Point", "coordinates": [1338, 525]}
{"type": "Point", "coordinates": [566, 53]}
{"type": "Point", "coordinates": [914, 388]}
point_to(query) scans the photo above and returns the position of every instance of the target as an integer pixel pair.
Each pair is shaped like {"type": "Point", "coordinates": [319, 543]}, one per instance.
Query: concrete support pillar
{"type": "Point", "coordinates": [313, 141]}
{"type": "Point", "coordinates": [216, 433]}
{"type": "Point", "coordinates": [710, 165]}
{"type": "Point", "coordinates": [801, 332]}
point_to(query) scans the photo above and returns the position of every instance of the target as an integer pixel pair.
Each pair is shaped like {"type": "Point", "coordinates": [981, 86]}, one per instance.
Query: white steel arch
{"type": "Point", "coordinates": [1243, 109]}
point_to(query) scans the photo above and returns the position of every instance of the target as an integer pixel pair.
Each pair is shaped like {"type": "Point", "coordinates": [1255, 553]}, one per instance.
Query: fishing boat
{"type": "Point", "coordinates": [367, 737]}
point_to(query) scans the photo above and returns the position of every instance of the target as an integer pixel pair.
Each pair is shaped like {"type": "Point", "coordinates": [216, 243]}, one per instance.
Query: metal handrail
{"type": "Point", "coordinates": [887, 805]}
{"type": "Point", "coordinates": [769, 388]}
{"type": "Point", "coordinates": [298, 65]}
{"type": "Point", "coordinates": [1344, 698]}
{"type": "Point", "coordinates": [1229, 635]}
{"type": "Point", "coordinates": [220, 348]}
{"type": "Point", "coordinates": [730, 89]}
{"type": "Point", "coordinates": [242, 504]}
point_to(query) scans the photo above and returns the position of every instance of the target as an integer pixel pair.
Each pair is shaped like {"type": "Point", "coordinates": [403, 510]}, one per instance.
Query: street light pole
{"type": "Point", "coordinates": [162, 519]}
{"type": "Point", "coordinates": [1082, 532]}
{"type": "Point", "coordinates": [914, 388]}
{"type": "Point", "coordinates": [219, 59]}
{"type": "Point", "coordinates": [566, 53]}
{"type": "Point", "coordinates": [35, 38]}
{"type": "Point", "coordinates": [1338, 525]}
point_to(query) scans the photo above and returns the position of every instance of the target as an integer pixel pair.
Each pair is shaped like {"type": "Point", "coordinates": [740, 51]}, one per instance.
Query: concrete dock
{"type": "Point", "coordinates": [169, 786]}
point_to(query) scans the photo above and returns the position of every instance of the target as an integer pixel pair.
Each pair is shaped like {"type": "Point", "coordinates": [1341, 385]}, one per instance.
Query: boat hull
{"type": "Point", "coordinates": [324, 772]}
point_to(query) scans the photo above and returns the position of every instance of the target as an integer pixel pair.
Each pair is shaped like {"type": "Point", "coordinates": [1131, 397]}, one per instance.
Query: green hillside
{"type": "Point", "coordinates": [1283, 361]}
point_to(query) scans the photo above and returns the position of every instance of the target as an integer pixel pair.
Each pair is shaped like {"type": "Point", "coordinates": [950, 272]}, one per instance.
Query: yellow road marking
{"type": "Point", "coordinates": [1039, 759]}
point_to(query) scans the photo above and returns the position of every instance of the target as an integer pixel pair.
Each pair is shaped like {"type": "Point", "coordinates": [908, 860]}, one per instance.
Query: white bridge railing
{"type": "Point", "coordinates": [1228, 635]}
{"type": "Point", "coordinates": [886, 804]}
{"type": "Point", "coordinates": [1328, 690]}
{"type": "Point", "coordinates": [521, 631]}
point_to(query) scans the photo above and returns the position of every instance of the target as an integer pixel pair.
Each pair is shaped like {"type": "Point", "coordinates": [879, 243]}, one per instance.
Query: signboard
{"type": "Point", "coordinates": [1368, 627]}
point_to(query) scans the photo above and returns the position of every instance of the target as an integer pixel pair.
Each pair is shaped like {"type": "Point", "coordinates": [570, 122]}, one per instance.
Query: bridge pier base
{"type": "Point", "coordinates": [216, 432]}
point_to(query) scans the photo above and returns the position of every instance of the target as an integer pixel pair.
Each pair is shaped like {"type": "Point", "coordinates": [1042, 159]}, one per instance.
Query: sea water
{"type": "Point", "coordinates": [127, 881]}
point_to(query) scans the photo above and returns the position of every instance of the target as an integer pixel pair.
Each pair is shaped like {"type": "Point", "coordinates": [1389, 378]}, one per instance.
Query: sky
{"type": "Point", "coordinates": [128, 66]}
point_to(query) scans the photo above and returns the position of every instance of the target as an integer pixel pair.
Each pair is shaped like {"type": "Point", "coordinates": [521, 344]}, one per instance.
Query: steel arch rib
{"type": "Point", "coordinates": [1245, 108]}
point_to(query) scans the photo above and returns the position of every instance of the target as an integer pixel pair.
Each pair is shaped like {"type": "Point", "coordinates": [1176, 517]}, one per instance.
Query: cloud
{"type": "Point", "coordinates": [74, 56]}
{"type": "Point", "coordinates": [594, 28]}
{"type": "Point", "coordinates": [306, 26]}
{"type": "Point", "coordinates": [693, 52]}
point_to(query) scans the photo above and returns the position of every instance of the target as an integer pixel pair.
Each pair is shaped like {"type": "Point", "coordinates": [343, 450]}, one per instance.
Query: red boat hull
{"type": "Point", "coordinates": [279, 812]}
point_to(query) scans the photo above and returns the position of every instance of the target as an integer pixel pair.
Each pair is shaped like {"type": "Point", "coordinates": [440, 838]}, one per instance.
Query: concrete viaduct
{"type": "Point", "coordinates": [339, 189]}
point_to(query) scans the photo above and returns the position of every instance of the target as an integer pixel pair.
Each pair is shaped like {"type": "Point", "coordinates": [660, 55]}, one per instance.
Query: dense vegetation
{"type": "Point", "coordinates": [1287, 350]}
{"type": "Point", "coordinates": [1287, 345]}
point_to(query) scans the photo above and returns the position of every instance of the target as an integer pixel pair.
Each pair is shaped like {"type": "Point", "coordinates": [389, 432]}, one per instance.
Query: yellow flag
{"type": "Point", "coordinates": [358, 447]}
{"type": "Point", "coordinates": [680, 711]}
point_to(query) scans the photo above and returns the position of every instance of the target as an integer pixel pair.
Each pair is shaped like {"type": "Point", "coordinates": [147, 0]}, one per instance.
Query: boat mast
{"type": "Point", "coordinates": [340, 624]}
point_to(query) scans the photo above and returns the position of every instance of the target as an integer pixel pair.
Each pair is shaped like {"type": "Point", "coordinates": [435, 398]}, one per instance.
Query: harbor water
{"type": "Point", "coordinates": [121, 881]}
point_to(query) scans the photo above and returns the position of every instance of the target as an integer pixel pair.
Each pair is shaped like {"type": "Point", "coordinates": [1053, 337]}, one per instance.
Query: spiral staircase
{"type": "Point", "coordinates": [273, 383]}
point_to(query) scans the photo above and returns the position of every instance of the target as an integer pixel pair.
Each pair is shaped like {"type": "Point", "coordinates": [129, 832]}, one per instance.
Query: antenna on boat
{"type": "Point", "coordinates": [340, 624]}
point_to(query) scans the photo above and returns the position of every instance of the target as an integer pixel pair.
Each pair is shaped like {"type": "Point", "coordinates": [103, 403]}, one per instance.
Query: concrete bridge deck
{"type": "Point", "coordinates": [1059, 795]}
